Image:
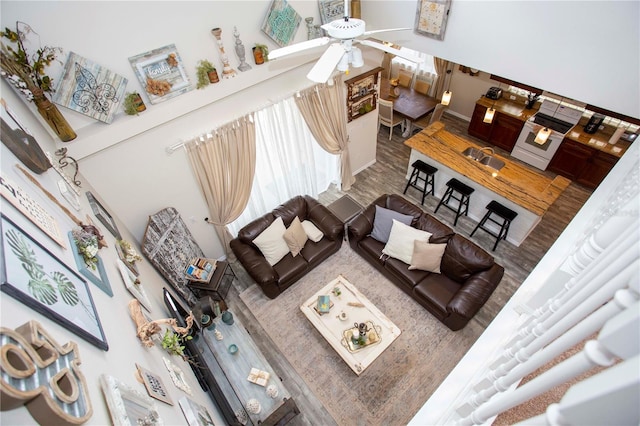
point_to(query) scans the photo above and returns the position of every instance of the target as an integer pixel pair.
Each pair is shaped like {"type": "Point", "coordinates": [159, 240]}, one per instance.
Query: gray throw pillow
{"type": "Point", "coordinates": [383, 221]}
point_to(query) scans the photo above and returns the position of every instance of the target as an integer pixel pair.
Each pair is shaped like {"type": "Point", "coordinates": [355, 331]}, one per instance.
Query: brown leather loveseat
{"type": "Point", "coordinates": [468, 273]}
{"type": "Point", "coordinates": [275, 279]}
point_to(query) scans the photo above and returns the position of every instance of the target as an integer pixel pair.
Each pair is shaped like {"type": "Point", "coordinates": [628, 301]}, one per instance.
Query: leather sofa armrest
{"type": "Point", "coordinates": [254, 262]}
{"type": "Point", "coordinates": [362, 225]}
{"type": "Point", "coordinates": [475, 292]}
{"type": "Point", "coordinates": [327, 222]}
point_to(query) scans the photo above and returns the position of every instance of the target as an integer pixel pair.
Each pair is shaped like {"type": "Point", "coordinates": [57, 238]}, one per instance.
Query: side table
{"type": "Point", "coordinates": [345, 208]}
{"type": "Point", "coordinates": [218, 285]}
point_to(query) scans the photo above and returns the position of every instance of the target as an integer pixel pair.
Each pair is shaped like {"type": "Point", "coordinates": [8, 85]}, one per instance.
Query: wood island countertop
{"type": "Point", "coordinates": [521, 185]}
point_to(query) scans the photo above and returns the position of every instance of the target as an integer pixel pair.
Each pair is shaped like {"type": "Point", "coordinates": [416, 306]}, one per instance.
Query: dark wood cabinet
{"type": "Point", "coordinates": [502, 132]}
{"type": "Point", "coordinates": [581, 163]}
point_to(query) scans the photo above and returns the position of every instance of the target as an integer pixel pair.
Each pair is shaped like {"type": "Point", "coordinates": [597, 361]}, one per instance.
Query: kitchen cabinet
{"type": "Point", "coordinates": [581, 163]}
{"type": "Point", "coordinates": [502, 132]}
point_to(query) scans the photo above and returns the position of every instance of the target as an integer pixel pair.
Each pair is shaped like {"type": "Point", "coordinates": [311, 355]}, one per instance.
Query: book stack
{"type": "Point", "coordinates": [200, 269]}
{"type": "Point", "coordinates": [324, 305]}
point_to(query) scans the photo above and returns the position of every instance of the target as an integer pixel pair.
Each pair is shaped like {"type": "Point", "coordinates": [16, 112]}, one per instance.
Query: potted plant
{"type": "Point", "coordinates": [172, 342]}
{"type": "Point", "coordinates": [133, 103]}
{"type": "Point", "coordinates": [206, 74]}
{"type": "Point", "coordinates": [260, 53]}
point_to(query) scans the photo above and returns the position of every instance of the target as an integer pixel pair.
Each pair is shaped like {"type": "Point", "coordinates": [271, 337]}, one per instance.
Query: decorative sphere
{"type": "Point", "coordinates": [253, 406]}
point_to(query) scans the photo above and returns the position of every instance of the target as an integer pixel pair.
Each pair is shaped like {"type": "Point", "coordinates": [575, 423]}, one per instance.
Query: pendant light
{"type": "Point", "coordinates": [488, 115]}
{"type": "Point", "coordinates": [544, 133]}
{"type": "Point", "coordinates": [446, 96]}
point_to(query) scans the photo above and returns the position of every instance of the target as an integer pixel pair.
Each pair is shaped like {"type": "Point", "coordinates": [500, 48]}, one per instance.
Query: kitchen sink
{"type": "Point", "coordinates": [492, 162]}
{"type": "Point", "coordinates": [480, 155]}
{"type": "Point", "coordinates": [473, 153]}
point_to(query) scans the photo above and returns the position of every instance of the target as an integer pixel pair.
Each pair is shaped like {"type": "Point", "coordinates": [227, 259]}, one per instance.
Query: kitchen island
{"type": "Point", "coordinates": [520, 188]}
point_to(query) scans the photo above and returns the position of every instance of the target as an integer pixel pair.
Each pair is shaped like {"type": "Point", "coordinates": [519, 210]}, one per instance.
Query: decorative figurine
{"type": "Point", "coordinates": [227, 71]}
{"type": "Point", "coordinates": [240, 51]}
{"type": "Point", "coordinates": [217, 334]}
{"type": "Point", "coordinates": [311, 31]}
{"type": "Point", "coordinates": [227, 317]}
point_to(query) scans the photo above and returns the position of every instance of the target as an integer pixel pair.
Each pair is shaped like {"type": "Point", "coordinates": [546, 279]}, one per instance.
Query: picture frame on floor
{"type": "Point", "coordinates": [35, 277]}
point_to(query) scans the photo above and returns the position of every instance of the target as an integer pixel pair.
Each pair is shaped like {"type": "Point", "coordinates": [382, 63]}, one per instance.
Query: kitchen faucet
{"type": "Point", "coordinates": [488, 148]}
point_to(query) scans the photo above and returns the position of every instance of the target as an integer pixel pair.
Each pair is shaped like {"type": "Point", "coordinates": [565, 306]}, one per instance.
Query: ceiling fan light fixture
{"type": "Point", "coordinates": [343, 65]}
{"type": "Point", "coordinates": [356, 57]}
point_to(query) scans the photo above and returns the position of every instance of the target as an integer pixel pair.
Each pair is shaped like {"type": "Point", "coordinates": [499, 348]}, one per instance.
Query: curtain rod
{"type": "Point", "coordinates": [172, 148]}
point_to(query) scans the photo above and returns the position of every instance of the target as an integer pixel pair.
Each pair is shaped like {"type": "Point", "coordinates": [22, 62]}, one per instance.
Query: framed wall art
{"type": "Point", "coordinates": [155, 386]}
{"type": "Point", "coordinates": [127, 406]}
{"type": "Point", "coordinates": [330, 10]}
{"type": "Point", "coordinates": [177, 376]}
{"type": "Point", "coordinates": [161, 73]}
{"type": "Point", "coordinates": [196, 414]}
{"type": "Point", "coordinates": [98, 276]}
{"type": "Point", "coordinates": [431, 18]}
{"type": "Point", "coordinates": [103, 215]}
{"type": "Point", "coordinates": [362, 94]}
{"type": "Point", "coordinates": [35, 277]}
{"type": "Point", "coordinates": [132, 283]}
{"type": "Point", "coordinates": [90, 89]}
{"type": "Point", "coordinates": [281, 22]}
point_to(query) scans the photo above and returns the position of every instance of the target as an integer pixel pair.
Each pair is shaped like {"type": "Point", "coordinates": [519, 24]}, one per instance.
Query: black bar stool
{"type": "Point", "coordinates": [419, 167]}
{"type": "Point", "coordinates": [506, 214]}
{"type": "Point", "coordinates": [460, 192]}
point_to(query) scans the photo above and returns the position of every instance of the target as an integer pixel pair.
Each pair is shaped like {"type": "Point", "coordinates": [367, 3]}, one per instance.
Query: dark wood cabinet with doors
{"type": "Point", "coordinates": [581, 163]}
{"type": "Point", "coordinates": [502, 132]}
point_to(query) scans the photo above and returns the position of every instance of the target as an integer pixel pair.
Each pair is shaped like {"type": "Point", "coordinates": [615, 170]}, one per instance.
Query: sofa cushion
{"type": "Point", "coordinates": [383, 221]}
{"type": "Point", "coordinates": [427, 257]}
{"type": "Point", "coordinates": [441, 232]}
{"type": "Point", "coordinates": [295, 237]}
{"type": "Point", "coordinates": [462, 258]}
{"type": "Point", "coordinates": [400, 204]}
{"type": "Point", "coordinates": [271, 242]}
{"type": "Point", "coordinates": [405, 276]}
{"type": "Point", "coordinates": [312, 231]}
{"type": "Point", "coordinates": [436, 290]}
{"type": "Point", "coordinates": [401, 238]}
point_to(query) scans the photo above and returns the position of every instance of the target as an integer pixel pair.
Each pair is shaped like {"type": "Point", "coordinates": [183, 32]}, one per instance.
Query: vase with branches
{"type": "Point", "coordinates": [27, 72]}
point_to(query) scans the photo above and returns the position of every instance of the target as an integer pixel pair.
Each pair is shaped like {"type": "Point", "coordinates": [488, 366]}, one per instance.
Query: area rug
{"type": "Point", "coordinates": [392, 389]}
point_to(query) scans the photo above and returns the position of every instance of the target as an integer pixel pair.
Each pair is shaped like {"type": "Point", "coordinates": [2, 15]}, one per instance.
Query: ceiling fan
{"type": "Point", "coordinates": [341, 53]}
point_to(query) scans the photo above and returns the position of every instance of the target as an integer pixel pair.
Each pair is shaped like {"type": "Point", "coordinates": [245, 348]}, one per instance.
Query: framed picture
{"type": "Point", "coordinates": [362, 94]}
{"type": "Point", "coordinates": [103, 215]}
{"type": "Point", "coordinates": [361, 106]}
{"type": "Point", "coordinates": [20, 142]}
{"type": "Point", "coordinates": [98, 276]}
{"type": "Point", "coordinates": [35, 277]}
{"type": "Point", "coordinates": [196, 414]}
{"type": "Point", "coordinates": [132, 283]}
{"type": "Point", "coordinates": [177, 376]}
{"type": "Point", "coordinates": [281, 22]}
{"type": "Point", "coordinates": [90, 89]}
{"type": "Point", "coordinates": [127, 406]}
{"type": "Point", "coordinates": [161, 73]}
{"type": "Point", "coordinates": [330, 10]}
{"type": "Point", "coordinates": [155, 386]}
{"type": "Point", "coordinates": [431, 18]}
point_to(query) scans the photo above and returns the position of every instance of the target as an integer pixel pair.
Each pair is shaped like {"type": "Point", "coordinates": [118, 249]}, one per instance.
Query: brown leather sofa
{"type": "Point", "coordinates": [469, 274]}
{"type": "Point", "coordinates": [275, 279]}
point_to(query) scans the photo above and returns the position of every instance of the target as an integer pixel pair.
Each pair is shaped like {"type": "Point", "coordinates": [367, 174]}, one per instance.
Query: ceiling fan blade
{"type": "Point", "coordinates": [389, 49]}
{"type": "Point", "coordinates": [366, 33]}
{"type": "Point", "coordinates": [322, 70]}
{"type": "Point", "coordinates": [298, 47]}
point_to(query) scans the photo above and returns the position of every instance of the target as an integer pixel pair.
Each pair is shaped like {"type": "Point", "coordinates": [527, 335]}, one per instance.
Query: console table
{"type": "Point", "coordinates": [231, 372]}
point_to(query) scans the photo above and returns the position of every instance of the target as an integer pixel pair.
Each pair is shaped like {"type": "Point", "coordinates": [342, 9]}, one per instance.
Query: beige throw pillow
{"type": "Point", "coordinates": [295, 237]}
{"type": "Point", "coordinates": [312, 231]}
{"type": "Point", "coordinates": [427, 257]}
{"type": "Point", "coordinates": [271, 242]}
{"type": "Point", "coordinates": [401, 238]}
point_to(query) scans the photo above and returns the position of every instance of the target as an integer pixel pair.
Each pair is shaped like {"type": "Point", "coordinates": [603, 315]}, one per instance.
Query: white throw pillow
{"type": "Point", "coordinates": [271, 242]}
{"type": "Point", "coordinates": [427, 257]}
{"type": "Point", "coordinates": [312, 231]}
{"type": "Point", "coordinates": [401, 238]}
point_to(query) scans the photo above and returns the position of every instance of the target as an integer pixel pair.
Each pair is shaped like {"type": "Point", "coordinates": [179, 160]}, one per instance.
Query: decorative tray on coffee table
{"type": "Point", "coordinates": [373, 338]}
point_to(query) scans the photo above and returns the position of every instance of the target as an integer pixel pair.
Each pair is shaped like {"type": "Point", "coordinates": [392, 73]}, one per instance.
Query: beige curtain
{"type": "Point", "coordinates": [224, 164]}
{"type": "Point", "coordinates": [441, 67]}
{"type": "Point", "coordinates": [324, 110]}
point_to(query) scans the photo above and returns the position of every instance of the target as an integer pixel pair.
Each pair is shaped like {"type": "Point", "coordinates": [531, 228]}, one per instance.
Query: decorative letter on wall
{"type": "Point", "coordinates": [35, 371]}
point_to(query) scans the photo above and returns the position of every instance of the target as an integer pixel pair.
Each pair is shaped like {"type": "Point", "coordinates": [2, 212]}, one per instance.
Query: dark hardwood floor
{"type": "Point", "coordinates": [387, 175]}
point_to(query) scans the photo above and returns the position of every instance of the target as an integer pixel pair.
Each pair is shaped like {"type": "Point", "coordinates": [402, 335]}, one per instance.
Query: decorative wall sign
{"type": "Point", "coordinates": [154, 385]}
{"type": "Point", "coordinates": [103, 215]}
{"type": "Point", "coordinates": [90, 89]}
{"type": "Point", "coordinates": [330, 10]}
{"type": "Point", "coordinates": [281, 22]}
{"type": "Point", "coordinates": [97, 276]}
{"type": "Point", "coordinates": [362, 94]}
{"type": "Point", "coordinates": [132, 283]}
{"type": "Point", "coordinates": [431, 18]}
{"type": "Point", "coordinates": [31, 209]}
{"type": "Point", "coordinates": [35, 277]}
{"type": "Point", "coordinates": [35, 366]}
{"type": "Point", "coordinates": [196, 414]}
{"type": "Point", "coordinates": [20, 142]}
{"type": "Point", "coordinates": [128, 406]}
{"type": "Point", "coordinates": [161, 73]}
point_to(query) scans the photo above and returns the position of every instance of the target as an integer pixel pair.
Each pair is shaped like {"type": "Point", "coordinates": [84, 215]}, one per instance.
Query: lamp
{"type": "Point", "coordinates": [544, 133]}
{"type": "Point", "coordinates": [488, 116]}
{"type": "Point", "coordinates": [446, 96]}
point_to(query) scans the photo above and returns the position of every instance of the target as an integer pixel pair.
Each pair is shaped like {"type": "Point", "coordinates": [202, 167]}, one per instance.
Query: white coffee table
{"type": "Point", "coordinates": [336, 331]}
